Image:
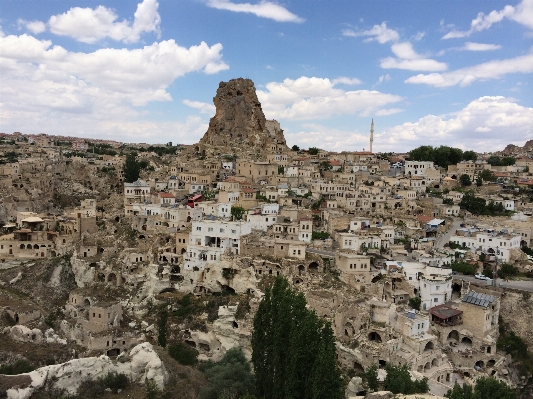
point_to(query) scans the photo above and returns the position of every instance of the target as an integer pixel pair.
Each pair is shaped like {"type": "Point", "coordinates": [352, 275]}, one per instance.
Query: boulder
{"type": "Point", "coordinates": [144, 364]}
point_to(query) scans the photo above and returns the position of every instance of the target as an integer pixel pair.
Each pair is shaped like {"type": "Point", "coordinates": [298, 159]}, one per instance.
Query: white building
{"type": "Point", "coordinates": [209, 239]}
{"type": "Point", "coordinates": [490, 242]}
{"type": "Point", "coordinates": [418, 168]}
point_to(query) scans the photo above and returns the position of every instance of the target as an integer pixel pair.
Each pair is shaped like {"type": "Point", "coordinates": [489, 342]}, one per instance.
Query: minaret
{"type": "Point", "coordinates": [371, 134]}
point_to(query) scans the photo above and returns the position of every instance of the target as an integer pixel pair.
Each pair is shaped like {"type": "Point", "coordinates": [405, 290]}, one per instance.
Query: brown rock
{"type": "Point", "coordinates": [239, 122]}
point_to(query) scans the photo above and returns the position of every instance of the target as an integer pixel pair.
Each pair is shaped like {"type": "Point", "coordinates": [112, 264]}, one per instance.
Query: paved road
{"type": "Point", "coordinates": [445, 238]}
{"type": "Point", "coordinates": [321, 252]}
{"type": "Point", "coordinates": [517, 285]}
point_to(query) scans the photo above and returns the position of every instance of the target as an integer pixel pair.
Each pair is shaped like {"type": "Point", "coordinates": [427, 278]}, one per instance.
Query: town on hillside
{"type": "Point", "coordinates": [146, 260]}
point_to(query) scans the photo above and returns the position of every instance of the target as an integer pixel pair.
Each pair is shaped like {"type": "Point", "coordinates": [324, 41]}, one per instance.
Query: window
{"type": "Point", "coordinates": [233, 231]}
{"type": "Point", "coordinates": [436, 300]}
{"type": "Point", "coordinates": [209, 229]}
{"type": "Point", "coordinates": [198, 228]}
{"type": "Point", "coordinates": [222, 230]}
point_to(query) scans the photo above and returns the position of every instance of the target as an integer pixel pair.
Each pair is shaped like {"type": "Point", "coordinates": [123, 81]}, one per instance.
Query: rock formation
{"type": "Point", "coordinates": [142, 364]}
{"type": "Point", "coordinates": [239, 124]}
{"type": "Point", "coordinates": [513, 149]}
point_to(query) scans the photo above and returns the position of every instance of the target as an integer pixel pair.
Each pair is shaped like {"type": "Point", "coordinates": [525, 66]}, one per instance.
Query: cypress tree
{"type": "Point", "coordinates": [131, 168]}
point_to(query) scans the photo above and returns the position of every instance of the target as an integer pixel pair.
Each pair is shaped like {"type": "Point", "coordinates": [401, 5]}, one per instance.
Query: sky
{"type": "Point", "coordinates": [456, 73]}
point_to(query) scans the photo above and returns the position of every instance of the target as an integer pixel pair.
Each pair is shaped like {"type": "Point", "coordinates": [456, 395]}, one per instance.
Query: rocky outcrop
{"type": "Point", "coordinates": [140, 365]}
{"type": "Point", "coordinates": [513, 149]}
{"type": "Point", "coordinates": [239, 124]}
{"type": "Point", "coordinates": [22, 333]}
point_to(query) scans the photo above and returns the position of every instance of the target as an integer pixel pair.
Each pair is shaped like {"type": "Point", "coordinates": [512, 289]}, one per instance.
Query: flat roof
{"type": "Point", "coordinates": [444, 312]}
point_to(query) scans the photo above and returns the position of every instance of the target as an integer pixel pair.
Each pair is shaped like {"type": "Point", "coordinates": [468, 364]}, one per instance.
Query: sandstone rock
{"type": "Point", "coordinates": [354, 387]}
{"type": "Point", "coordinates": [380, 395]}
{"type": "Point", "coordinates": [144, 365]}
{"type": "Point", "coordinates": [240, 119]}
{"type": "Point", "coordinates": [22, 333]}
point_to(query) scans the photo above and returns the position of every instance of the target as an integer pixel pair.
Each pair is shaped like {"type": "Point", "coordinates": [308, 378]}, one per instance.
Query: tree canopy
{"type": "Point", "coordinates": [398, 380]}
{"type": "Point", "coordinates": [293, 349]}
{"type": "Point", "coordinates": [495, 160]}
{"type": "Point", "coordinates": [442, 156]}
{"type": "Point", "coordinates": [131, 168]}
{"type": "Point", "coordinates": [485, 388]}
{"type": "Point", "coordinates": [231, 376]}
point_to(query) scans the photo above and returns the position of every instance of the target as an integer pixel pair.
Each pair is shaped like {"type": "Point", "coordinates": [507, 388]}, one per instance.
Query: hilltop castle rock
{"type": "Point", "coordinates": [239, 125]}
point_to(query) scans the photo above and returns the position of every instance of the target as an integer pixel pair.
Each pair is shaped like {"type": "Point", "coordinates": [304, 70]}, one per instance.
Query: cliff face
{"type": "Point", "coordinates": [239, 124]}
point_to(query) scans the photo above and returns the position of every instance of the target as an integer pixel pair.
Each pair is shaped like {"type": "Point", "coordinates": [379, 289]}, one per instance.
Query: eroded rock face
{"type": "Point", "coordinates": [144, 364]}
{"type": "Point", "coordinates": [239, 120]}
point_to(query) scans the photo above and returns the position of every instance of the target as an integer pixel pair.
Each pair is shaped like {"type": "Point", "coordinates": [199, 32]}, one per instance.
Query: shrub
{"type": "Point", "coordinates": [507, 270]}
{"type": "Point", "coordinates": [19, 367]}
{"type": "Point", "coordinates": [232, 376]}
{"type": "Point", "coordinates": [114, 381]}
{"type": "Point", "coordinates": [183, 354]}
{"type": "Point", "coordinates": [465, 268]}
{"type": "Point", "coordinates": [415, 303]}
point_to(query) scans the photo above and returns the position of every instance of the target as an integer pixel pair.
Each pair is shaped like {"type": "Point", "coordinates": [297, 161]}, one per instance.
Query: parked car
{"type": "Point", "coordinates": [480, 276]}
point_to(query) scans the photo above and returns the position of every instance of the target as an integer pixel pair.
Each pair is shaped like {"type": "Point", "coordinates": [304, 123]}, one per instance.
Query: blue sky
{"type": "Point", "coordinates": [447, 72]}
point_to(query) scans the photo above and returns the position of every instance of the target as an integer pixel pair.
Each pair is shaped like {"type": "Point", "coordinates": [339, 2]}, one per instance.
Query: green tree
{"type": "Point", "coordinates": [293, 349]}
{"type": "Point", "coordinates": [281, 170]}
{"type": "Point", "coordinates": [479, 181]}
{"type": "Point", "coordinates": [415, 302]}
{"type": "Point", "coordinates": [371, 378]}
{"type": "Point", "coordinates": [487, 175]}
{"type": "Point", "coordinates": [473, 204]}
{"type": "Point", "coordinates": [183, 353]}
{"type": "Point", "coordinates": [131, 168]}
{"type": "Point", "coordinates": [237, 212]}
{"type": "Point", "coordinates": [398, 380]}
{"type": "Point", "coordinates": [295, 148]}
{"type": "Point", "coordinates": [422, 153]}
{"type": "Point", "coordinates": [460, 392]}
{"type": "Point", "coordinates": [464, 179]}
{"type": "Point", "coordinates": [162, 327]}
{"type": "Point", "coordinates": [485, 388]}
{"type": "Point", "coordinates": [232, 375]}
{"type": "Point", "coordinates": [313, 151]}
{"type": "Point", "coordinates": [469, 156]}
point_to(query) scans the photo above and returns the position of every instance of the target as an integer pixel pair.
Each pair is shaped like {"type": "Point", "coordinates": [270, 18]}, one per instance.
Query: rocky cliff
{"type": "Point", "coordinates": [239, 125]}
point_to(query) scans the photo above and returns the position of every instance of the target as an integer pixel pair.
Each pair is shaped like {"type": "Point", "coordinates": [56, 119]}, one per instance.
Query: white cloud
{"type": "Point", "coordinates": [485, 124]}
{"type": "Point", "coordinates": [91, 25]}
{"type": "Point", "coordinates": [389, 111]}
{"type": "Point", "coordinates": [320, 136]}
{"type": "Point", "coordinates": [47, 88]}
{"type": "Point", "coordinates": [346, 81]}
{"type": "Point", "coordinates": [419, 36]}
{"type": "Point", "coordinates": [409, 59]}
{"type": "Point", "coordinates": [522, 13]}
{"type": "Point", "coordinates": [204, 108]}
{"type": "Point", "coordinates": [315, 98]}
{"type": "Point", "coordinates": [379, 33]}
{"type": "Point", "coordinates": [488, 70]}
{"type": "Point", "coordinates": [469, 46]}
{"type": "Point", "coordinates": [34, 27]}
{"type": "Point", "coordinates": [264, 9]}
{"type": "Point", "coordinates": [383, 78]}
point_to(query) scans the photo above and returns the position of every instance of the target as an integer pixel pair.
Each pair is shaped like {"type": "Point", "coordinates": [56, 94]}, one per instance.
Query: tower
{"type": "Point", "coordinates": [371, 134]}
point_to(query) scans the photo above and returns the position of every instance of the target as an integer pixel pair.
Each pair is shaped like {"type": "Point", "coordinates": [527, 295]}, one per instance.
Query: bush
{"type": "Point", "coordinates": [465, 268]}
{"type": "Point", "coordinates": [19, 367]}
{"type": "Point", "coordinates": [507, 270]}
{"type": "Point", "coordinates": [90, 389]}
{"type": "Point", "coordinates": [398, 380]}
{"type": "Point", "coordinates": [115, 381]}
{"type": "Point", "coordinates": [415, 302]}
{"type": "Point", "coordinates": [183, 353]}
{"type": "Point", "coordinates": [319, 235]}
{"type": "Point", "coordinates": [231, 376]}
